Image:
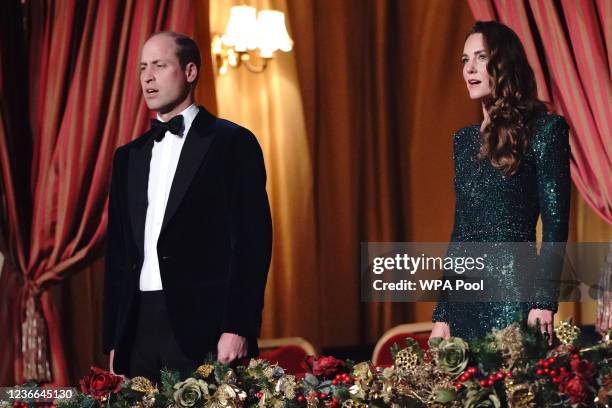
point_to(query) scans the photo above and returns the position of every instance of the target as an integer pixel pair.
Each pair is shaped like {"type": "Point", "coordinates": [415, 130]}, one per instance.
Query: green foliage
{"type": "Point", "coordinates": [394, 349]}
{"type": "Point", "coordinates": [74, 402]}
{"type": "Point", "coordinates": [414, 345]}
{"type": "Point", "coordinates": [411, 403]}
{"type": "Point", "coordinates": [311, 381]}
{"type": "Point", "coordinates": [349, 364]}
{"type": "Point", "coordinates": [87, 402]}
{"type": "Point", "coordinates": [485, 355]}
{"type": "Point", "coordinates": [446, 395]}
{"type": "Point", "coordinates": [168, 379]}
{"type": "Point", "coordinates": [534, 342]}
{"type": "Point", "coordinates": [221, 371]}
{"type": "Point", "coordinates": [342, 393]}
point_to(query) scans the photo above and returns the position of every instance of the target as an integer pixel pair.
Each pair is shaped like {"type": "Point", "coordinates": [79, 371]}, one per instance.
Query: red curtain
{"type": "Point", "coordinates": [84, 100]}
{"type": "Point", "coordinates": [574, 36]}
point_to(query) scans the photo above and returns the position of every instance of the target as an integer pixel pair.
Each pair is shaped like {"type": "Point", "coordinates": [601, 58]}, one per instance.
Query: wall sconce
{"type": "Point", "coordinates": [251, 39]}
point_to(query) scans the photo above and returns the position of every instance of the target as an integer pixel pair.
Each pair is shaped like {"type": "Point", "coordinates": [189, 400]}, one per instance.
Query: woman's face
{"type": "Point", "coordinates": [474, 61]}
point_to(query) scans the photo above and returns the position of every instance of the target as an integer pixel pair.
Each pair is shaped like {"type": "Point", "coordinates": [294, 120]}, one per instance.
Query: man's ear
{"type": "Point", "coordinates": [191, 71]}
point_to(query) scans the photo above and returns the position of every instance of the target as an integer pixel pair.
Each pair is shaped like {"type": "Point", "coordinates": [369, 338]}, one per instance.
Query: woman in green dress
{"type": "Point", "coordinates": [510, 169]}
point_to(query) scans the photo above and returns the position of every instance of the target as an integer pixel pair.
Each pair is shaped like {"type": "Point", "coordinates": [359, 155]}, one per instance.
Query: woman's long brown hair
{"type": "Point", "coordinates": [513, 104]}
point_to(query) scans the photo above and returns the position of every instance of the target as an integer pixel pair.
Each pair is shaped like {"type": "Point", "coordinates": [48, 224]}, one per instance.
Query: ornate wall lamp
{"type": "Point", "coordinates": [251, 39]}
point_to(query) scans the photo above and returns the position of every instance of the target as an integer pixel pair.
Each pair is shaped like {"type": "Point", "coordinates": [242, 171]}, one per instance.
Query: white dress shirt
{"type": "Point", "coordinates": [164, 159]}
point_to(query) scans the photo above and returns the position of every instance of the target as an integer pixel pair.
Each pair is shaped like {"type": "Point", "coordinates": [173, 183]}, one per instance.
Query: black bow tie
{"type": "Point", "coordinates": [174, 126]}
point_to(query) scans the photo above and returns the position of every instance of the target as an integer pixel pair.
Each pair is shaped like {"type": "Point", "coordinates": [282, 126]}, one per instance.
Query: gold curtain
{"type": "Point", "coordinates": [269, 104]}
{"type": "Point", "coordinates": [377, 86]}
{"type": "Point", "coordinates": [383, 92]}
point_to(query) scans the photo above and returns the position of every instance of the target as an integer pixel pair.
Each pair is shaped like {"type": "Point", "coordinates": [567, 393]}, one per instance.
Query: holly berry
{"type": "Point", "coordinates": [553, 373]}
{"type": "Point", "coordinates": [508, 374]}
{"type": "Point", "coordinates": [472, 370]}
{"type": "Point", "coordinates": [539, 371]}
{"type": "Point", "coordinates": [490, 382]}
{"type": "Point", "coordinates": [483, 383]}
{"type": "Point", "coordinates": [499, 376]}
{"type": "Point", "coordinates": [540, 362]}
{"type": "Point", "coordinates": [334, 382]}
{"type": "Point", "coordinates": [301, 398]}
{"type": "Point", "coordinates": [551, 360]}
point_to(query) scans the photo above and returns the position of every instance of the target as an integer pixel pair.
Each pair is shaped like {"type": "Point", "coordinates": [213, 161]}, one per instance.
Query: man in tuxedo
{"type": "Point", "coordinates": [189, 229]}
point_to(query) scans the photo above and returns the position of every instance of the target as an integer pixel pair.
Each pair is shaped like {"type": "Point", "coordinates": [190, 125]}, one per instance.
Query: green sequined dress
{"type": "Point", "coordinates": [491, 207]}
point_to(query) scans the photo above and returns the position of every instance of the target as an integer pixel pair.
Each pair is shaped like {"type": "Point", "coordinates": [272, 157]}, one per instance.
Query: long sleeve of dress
{"type": "Point", "coordinates": [441, 312]}
{"type": "Point", "coordinates": [552, 157]}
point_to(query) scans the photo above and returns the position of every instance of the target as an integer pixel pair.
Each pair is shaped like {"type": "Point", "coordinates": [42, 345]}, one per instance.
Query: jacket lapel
{"type": "Point", "coordinates": [138, 179]}
{"type": "Point", "coordinates": [192, 155]}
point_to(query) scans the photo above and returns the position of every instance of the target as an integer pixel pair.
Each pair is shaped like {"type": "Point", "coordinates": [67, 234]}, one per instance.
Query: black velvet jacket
{"type": "Point", "coordinates": [215, 243]}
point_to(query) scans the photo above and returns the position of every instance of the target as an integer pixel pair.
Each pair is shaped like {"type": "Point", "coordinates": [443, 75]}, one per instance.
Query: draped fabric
{"type": "Point", "coordinates": [383, 94]}
{"type": "Point", "coordinates": [15, 141]}
{"type": "Point", "coordinates": [365, 86]}
{"type": "Point", "coordinates": [269, 104]}
{"type": "Point", "coordinates": [84, 100]}
{"type": "Point", "coordinates": [573, 72]}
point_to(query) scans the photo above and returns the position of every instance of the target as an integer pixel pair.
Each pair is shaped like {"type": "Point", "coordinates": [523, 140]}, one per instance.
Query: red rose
{"type": "Point", "coordinates": [575, 384]}
{"type": "Point", "coordinates": [323, 366]}
{"type": "Point", "coordinates": [582, 368]}
{"type": "Point", "coordinates": [100, 383]}
{"type": "Point", "coordinates": [574, 387]}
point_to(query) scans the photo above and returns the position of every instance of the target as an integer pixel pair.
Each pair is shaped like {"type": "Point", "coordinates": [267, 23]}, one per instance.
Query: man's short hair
{"type": "Point", "coordinates": [186, 49]}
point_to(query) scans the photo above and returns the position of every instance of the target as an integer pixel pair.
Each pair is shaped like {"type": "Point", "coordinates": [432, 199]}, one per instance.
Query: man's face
{"type": "Point", "coordinates": [164, 83]}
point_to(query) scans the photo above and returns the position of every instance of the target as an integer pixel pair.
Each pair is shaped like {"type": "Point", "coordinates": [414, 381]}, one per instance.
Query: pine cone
{"type": "Point", "coordinates": [566, 332]}
{"type": "Point", "coordinates": [520, 395]}
{"type": "Point", "coordinates": [406, 360]}
{"type": "Point", "coordinates": [349, 403]}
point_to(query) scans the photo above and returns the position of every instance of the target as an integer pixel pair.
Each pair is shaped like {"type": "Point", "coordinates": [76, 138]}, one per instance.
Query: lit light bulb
{"type": "Point", "coordinates": [272, 33]}
{"type": "Point", "coordinates": [241, 29]}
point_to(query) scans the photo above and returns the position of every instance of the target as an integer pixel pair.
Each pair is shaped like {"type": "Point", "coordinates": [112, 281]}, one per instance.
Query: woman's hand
{"type": "Point", "coordinates": [546, 319]}
{"type": "Point", "coordinates": [440, 329]}
{"type": "Point", "coordinates": [604, 316]}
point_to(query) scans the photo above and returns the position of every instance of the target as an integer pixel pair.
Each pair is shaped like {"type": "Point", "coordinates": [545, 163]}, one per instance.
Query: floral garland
{"type": "Point", "coordinates": [511, 367]}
